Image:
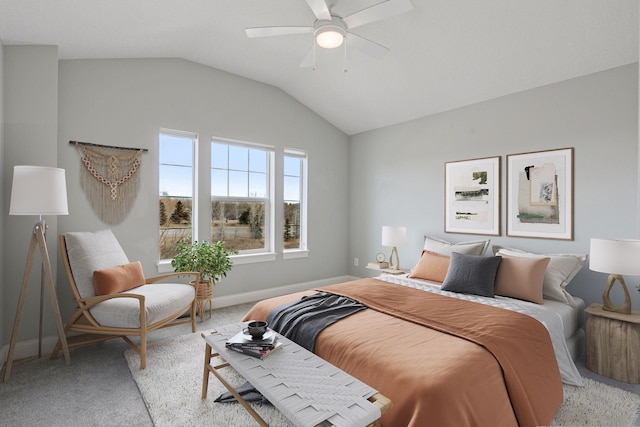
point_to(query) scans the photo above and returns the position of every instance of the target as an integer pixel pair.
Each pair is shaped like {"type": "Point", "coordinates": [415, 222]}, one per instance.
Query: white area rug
{"type": "Point", "coordinates": [597, 404]}
{"type": "Point", "coordinates": [171, 387]}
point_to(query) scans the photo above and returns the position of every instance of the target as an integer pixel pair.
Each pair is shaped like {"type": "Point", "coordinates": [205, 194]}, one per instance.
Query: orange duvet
{"type": "Point", "coordinates": [442, 361]}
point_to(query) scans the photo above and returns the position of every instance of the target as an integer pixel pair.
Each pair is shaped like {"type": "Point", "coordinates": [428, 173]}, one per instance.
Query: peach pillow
{"type": "Point", "coordinates": [521, 278]}
{"type": "Point", "coordinates": [118, 279]}
{"type": "Point", "coordinates": [432, 267]}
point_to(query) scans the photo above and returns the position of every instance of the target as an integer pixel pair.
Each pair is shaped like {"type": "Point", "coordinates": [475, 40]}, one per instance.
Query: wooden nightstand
{"type": "Point", "coordinates": [613, 344]}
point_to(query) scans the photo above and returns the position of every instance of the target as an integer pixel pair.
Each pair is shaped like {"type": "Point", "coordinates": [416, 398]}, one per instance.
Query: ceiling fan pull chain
{"type": "Point", "coordinates": [345, 58]}
{"type": "Point", "coordinates": [314, 56]}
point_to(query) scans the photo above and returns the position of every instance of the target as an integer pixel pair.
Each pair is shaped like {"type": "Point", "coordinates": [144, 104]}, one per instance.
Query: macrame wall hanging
{"type": "Point", "coordinates": [109, 178]}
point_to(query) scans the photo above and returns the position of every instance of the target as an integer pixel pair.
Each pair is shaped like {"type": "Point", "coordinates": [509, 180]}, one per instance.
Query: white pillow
{"type": "Point", "coordinates": [561, 269]}
{"type": "Point", "coordinates": [442, 247]}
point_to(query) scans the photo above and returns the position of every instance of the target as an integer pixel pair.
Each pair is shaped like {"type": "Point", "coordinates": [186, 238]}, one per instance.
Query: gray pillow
{"type": "Point", "coordinates": [471, 274]}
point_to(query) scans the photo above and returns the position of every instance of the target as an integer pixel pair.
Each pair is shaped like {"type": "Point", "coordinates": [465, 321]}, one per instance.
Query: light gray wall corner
{"type": "Point", "coordinates": [397, 173]}
{"type": "Point", "coordinates": [4, 204]}
{"type": "Point", "coordinates": [126, 102]}
{"type": "Point", "coordinates": [30, 97]}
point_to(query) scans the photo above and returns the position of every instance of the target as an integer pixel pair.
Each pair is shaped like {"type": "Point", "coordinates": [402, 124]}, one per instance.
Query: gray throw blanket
{"type": "Point", "coordinates": [301, 321]}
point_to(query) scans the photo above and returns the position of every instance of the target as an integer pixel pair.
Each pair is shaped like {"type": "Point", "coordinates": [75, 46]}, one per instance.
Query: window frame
{"type": "Point", "coordinates": [267, 253]}
{"type": "Point", "coordinates": [303, 250]}
{"type": "Point", "coordinates": [193, 136]}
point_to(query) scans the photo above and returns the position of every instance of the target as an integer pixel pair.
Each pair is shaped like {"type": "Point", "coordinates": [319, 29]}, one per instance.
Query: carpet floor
{"type": "Point", "coordinates": [98, 388]}
{"type": "Point", "coordinates": [171, 387]}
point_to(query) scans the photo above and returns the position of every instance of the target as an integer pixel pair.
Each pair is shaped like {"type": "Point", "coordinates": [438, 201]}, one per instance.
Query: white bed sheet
{"type": "Point", "coordinates": [571, 316]}
{"type": "Point", "coordinates": [548, 314]}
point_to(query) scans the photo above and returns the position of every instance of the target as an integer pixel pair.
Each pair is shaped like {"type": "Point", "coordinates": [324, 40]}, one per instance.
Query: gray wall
{"type": "Point", "coordinates": [392, 175]}
{"type": "Point", "coordinates": [30, 138]}
{"type": "Point", "coordinates": [397, 173]}
{"type": "Point", "coordinates": [126, 102]}
{"type": "Point", "coordinates": [3, 206]}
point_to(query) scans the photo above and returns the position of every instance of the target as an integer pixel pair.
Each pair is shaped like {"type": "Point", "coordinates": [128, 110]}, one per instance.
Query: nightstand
{"type": "Point", "coordinates": [613, 344]}
{"type": "Point", "coordinates": [388, 270]}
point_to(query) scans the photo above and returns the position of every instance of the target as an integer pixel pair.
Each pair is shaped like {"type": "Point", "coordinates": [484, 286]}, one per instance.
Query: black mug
{"type": "Point", "coordinates": [256, 329]}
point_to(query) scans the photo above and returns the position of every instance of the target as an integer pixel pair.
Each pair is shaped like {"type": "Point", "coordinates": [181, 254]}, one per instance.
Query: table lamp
{"type": "Point", "coordinates": [394, 236]}
{"type": "Point", "coordinates": [38, 190]}
{"type": "Point", "coordinates": [615, 257]}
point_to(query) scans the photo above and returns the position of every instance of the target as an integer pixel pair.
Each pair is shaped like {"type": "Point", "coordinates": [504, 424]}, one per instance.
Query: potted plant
{"type": "Point", "coordinates": [211, 260]}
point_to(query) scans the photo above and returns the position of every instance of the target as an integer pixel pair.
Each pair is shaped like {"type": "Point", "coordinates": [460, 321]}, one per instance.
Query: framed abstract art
{"type": "Point", "coordinates": [540, 194]}
{"type": "Point", "coordinates": [472, 196]}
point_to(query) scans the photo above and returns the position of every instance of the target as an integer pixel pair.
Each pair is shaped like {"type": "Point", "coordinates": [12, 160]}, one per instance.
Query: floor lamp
{"type": "Point", "coordinates": [38, 190]}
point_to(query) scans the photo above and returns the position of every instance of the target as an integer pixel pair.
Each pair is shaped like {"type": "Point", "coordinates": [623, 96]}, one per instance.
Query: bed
{"type": "Point", "coordinates": [451, 358]}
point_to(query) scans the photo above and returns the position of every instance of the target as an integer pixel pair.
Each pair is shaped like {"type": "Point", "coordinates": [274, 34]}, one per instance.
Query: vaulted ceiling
{"type": "Point", "coordinates": [443, 54]}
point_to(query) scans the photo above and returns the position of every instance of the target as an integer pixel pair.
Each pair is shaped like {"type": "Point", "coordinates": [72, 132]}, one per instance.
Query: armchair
{"type": "Point", "coordinates": [126, 303]}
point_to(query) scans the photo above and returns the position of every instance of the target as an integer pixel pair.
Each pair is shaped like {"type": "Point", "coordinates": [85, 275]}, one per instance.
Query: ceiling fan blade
{"type": "Point", "coordinates": [308, 61]}
{"type": "Point", "coordinates": [377, 12]}
{"type": "Point", "coordinates": [320, 9]}
{"type": "Point", "coordinates": [367, 46]}
{"type": "Point", "coordinates": [276, 31]}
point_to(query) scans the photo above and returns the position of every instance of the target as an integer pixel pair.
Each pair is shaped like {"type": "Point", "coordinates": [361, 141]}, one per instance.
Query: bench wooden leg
{"type": "Point", "coordinates": [382, 402]}
{"type": "Point", "coordinates": [209, 353]}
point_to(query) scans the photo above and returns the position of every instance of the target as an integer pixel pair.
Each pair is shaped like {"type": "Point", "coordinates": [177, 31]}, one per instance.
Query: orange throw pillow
{"type": "Point", "coordinates": [521, 278]}
{"type": "Point", "coordinates": [432, 267]}
{"type": "Point", "coordinates": [118, 279]}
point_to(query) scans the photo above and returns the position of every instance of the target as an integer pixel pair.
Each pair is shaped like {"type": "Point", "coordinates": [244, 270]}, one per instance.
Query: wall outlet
{"type": "Point", "coordinates": [356, 262]}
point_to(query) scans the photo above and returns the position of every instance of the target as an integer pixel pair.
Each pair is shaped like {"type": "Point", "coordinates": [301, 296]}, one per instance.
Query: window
{"type": "Point", "coordinates": [177, 207]}
{"type": "Point", "coordinates": [294, 209]}
{"type": "Point", "coordinates": [241, 208]}
{"type": "Point", "coordinates": [241, 193]}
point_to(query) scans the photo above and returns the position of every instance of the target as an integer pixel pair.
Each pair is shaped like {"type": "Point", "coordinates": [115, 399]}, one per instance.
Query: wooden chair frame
{"type": "Point", "coordinates": [91, 331]}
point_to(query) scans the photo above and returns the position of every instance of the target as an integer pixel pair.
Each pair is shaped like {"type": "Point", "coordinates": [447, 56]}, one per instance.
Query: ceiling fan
{"type": "Point", "coordinates": [331, 31]}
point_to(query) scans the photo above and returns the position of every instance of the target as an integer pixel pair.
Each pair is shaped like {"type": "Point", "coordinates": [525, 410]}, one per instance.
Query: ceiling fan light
{"type": "Point", "coordinates": [330, 37]}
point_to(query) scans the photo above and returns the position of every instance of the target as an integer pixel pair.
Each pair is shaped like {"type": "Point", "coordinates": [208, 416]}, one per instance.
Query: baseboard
{"type": "Point", "coordinates": [29, 348]}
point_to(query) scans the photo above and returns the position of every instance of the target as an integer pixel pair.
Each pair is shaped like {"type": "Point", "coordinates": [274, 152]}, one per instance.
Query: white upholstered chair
{"type": "Point", "coordinates": [127, 304]}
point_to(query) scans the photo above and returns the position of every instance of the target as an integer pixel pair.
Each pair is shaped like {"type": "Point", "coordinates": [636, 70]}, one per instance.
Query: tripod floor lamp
{"type": "Point", "coordinates": [38, 190]}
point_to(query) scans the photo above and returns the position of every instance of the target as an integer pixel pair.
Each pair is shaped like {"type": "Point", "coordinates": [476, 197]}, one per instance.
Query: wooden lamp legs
{"type": "Point", "coordinates": [38, 239]}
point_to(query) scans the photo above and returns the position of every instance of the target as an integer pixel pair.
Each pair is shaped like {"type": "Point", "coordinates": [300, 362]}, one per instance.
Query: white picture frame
{"type": "Point", "coordinates": [540, 194]}
{"type": "Point", "coordinates": [472, 196]}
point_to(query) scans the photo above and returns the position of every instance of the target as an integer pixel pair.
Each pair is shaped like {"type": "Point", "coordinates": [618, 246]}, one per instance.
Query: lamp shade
{"type": "Point", "coordinates": [393, 235]}
{"type": "Point", "coordinates": [38, 190]}
{"type": "Point", "coordinates": [615, 256]}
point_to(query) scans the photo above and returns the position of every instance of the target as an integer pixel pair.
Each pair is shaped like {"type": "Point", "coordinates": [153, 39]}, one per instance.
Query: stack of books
{"type": "Point", "coordinates": [259, 348]}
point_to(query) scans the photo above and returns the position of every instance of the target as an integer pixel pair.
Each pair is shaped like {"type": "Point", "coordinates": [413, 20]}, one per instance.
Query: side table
{"type": "Point", "coordinates": [389, 270]}
{"type": "Point", "coordinates": [613, 344]}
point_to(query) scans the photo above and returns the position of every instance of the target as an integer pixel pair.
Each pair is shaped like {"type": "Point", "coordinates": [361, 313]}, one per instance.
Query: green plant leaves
{"type": "Point", "coordinates": [211, 260]}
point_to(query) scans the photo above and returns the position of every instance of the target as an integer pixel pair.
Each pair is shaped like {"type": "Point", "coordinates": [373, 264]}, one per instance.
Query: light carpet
{"type": "Point", "coordinates": [171, 387]}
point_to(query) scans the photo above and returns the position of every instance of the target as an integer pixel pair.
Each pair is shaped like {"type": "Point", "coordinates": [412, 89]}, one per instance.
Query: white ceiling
{"type": "Point", "coordinates": [444, 53]}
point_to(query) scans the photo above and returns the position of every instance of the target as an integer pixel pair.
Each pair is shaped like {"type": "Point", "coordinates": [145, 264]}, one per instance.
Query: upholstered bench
{"type": "Point", "coordinates": [308, 390]}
